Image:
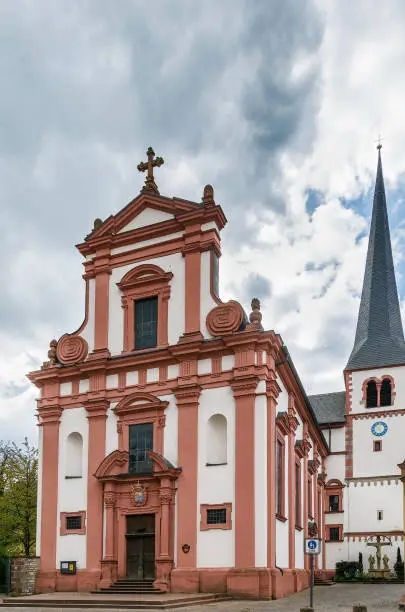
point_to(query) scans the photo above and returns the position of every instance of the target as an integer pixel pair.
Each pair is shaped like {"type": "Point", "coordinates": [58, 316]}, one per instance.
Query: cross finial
{"type": "Point", "coordinates": [378, 141]}
{"type": "Point", "coordinates": [150, 184]}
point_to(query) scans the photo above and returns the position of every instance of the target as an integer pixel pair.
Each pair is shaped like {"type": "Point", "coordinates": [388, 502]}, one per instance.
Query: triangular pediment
{"type": "Point", "coordinates": [145, 210]}
{"type": "Point", "coordinates": [147, 216]}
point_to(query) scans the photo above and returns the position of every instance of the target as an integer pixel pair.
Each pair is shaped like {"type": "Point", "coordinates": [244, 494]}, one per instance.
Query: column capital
{"type": "Point", "coordinates": [96, 408]}
{"type": "Point", "coordinates": [50, 415]}
{"type": "Point", "coordinates": [244, 387]}
{"type": "Point", "coordinates": [110, 499]}
{"type": "Point", "coordinates": [273, 389]}
{"type": "Point", "coordinates": [187, 395]}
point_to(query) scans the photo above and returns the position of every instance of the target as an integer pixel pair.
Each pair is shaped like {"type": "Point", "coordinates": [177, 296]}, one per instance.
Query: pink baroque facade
{"type": "Point", "coordinates": [177, 444]}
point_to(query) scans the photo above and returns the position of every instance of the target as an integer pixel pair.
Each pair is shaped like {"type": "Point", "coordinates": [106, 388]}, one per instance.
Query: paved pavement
{"type": "Point", "coordinates": [336, 598]}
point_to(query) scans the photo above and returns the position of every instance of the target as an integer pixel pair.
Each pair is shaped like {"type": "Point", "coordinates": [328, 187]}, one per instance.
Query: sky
{"type": "Point", "coordinates": [277, 103]}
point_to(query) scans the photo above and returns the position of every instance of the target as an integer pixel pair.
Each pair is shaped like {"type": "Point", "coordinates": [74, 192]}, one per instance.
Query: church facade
{"type": "Point", "coordinates": [177, 443]}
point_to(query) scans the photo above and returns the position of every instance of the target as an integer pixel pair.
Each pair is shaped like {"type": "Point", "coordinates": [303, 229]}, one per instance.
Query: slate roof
{"type": "Point", "coordinates": [329, 407]}
{"type": "Point", "coordinates": [379, 337]}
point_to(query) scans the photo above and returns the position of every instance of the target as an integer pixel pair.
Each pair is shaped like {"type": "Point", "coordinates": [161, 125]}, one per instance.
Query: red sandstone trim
{"type": "Point", "coordinates": [328, 528]}
{"type": "Point", "coordinates": [63, 529]}
{"type": "Point", "coordinates": [215, 297]}
{"type": "Point", "coordinates": [334, 487]}
{"type": "Point", "coordinates": [141, 408]}
{"type": "Point", "coordinates": [204, 526]}
{"type": "Point", "coordinates": [142, 282]}
{"type": "Point", "coordinates": [280, 508]}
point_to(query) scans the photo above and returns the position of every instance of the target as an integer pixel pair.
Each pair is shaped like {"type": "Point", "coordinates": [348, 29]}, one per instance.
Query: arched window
{"type": "Point", "coordinates": [385, 392]}
{"type": "Point", "coordinates": [74, 455]}
{"type": "Point", "coordinates": [216, 440]}
{"type": "Point", "coordinates": [371, 394]}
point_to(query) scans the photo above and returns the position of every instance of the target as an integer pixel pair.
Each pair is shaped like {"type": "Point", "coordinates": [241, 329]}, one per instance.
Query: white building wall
{"type": "Point", "coordinates": [337, 551]}
{"type": "Point", "coordinates": [299, 549]}
{"type": "Point", "coordinates": [282, 544]}
{"type": "Point", "coordinates": [111, 433]}
{"type": "Point", "coordinates": [360, 376]}
{"type": "Point", "coordinates": [39, 493]}
{"type": "Point", "coordinates": [216, 484]}
{"type": "Point", "coordinates": [363, 501]}
{"type": "Point", "coordinates": [207, 301]}
{"type": "Point", "coordinates": [170, 263]}
{"type": "Point", "coordinates": [148, 216]}
{"type": "Point", "coordinates": [366, 462]}
{"type": "Point", "coordinates": [72, 492]}
{"type": "Point", "coordinates": [335, 467]}
{"type": "Point", "coordinates": [88, 331]}
{"type": "Point", "coordinates": [282, 400]}
{"type": "Point", "coordinates": [260, 441]}
{"type": "Point", "coordinates": [170, 442]}
{"type": "Point", "coordinates": [337, 439]}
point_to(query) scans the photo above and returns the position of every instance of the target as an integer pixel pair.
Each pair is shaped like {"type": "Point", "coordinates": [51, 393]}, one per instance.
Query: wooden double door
{"type": "Point", "coordinates": [140, 538]}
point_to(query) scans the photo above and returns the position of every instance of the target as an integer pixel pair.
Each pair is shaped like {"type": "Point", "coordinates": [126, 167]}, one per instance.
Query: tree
{"type": "Point", "coordinates": [18, 497]}
{"type": "Point", "coordinates": [361, 569]}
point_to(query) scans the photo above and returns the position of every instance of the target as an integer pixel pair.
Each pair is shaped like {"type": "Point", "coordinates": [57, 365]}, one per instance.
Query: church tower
{"type": "Point", "coordinates": [375, 419]}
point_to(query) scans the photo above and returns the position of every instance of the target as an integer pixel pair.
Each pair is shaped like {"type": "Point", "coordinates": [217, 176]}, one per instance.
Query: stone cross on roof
{"type": "Point", "coordinates": [150, 184]}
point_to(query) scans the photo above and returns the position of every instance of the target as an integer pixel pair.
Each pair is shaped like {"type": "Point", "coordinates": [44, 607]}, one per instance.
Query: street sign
{"type": "Point", "coordinates": [312, 546]}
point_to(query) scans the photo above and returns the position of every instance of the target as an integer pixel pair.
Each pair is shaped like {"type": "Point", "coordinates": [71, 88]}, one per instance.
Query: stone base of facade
{"type": "Point", "coordinates": [250, 583]}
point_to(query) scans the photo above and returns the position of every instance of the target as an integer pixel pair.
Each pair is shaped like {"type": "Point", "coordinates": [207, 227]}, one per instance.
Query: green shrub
{"type": "Point", "coordinates": [399, 565]}
{"type": "Point", "coordinates": [347, 569]}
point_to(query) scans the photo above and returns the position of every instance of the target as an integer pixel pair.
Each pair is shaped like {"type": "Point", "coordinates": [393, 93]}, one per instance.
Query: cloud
{"type": "Point", "coordinates": [277, 108]}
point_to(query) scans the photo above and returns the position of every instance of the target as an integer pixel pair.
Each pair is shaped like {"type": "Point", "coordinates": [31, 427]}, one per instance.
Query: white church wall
{"type": "Point", "coordinates": [260, 441]}
{"type": "Point", "coordinates": [170, 439]}
{"type": "Point", "coordinates": [335, 552]}
{"type": "Point", "coordinates": [360, 376]}
{"type": "Point", "coordinates": [145, 243]}
{"type": "Point", "coordinates": [111, 433]}
{"type": "Point", "coordinates": [282, 400]}
{"type": "Point", "coordinates": [367, 462]}
{"type": "Point", "coordinates": [365, 498]}
{"type": "Point", "coordinates": [170, 263]}
{"type": "Point", "coordinates": [299, 549]}
{"type": "Point", "coordinates": [206, 300]}
{"type": "Point", "coordinates": [216, 484]}
{"type": "Point", "coordinates": [88, 331]}
{"type": "Point", "coordinates": [335, 467]}
{"type": "Point", "coordinates": [72, 492]}
{"type": "Point", "coordinates": [39, 494]}
{"type": "Point", "coordinates": [337, 439]}
{"type": "Point", "coordinates": [281, 544]}
{"type": "Point", "coordinates": [148, 216]}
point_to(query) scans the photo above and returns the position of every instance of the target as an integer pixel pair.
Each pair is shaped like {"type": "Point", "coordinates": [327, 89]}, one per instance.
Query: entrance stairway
{"type": "Point", "coordinates": [318, 581]}
{"type": "Point", "coordinates": [128, 586]}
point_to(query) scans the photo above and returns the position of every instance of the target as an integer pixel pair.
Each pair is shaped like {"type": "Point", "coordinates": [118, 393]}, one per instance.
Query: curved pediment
{"type": "Point", "coordinates": [139, 402]}
{"type": "Point", "coordinates": [115, 463]}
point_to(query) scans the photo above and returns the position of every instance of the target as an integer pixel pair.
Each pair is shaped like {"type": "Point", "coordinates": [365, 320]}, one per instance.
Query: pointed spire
{"type": "Point", "coordinates": [379, 338]}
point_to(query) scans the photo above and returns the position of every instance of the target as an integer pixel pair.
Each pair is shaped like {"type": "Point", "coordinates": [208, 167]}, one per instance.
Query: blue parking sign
{"type": "Point", "coordinates": [312, 546]}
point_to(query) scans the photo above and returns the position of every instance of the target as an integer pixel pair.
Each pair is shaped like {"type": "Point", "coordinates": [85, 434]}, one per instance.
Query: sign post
{"type": "Point", "coordinates": [312, 547]}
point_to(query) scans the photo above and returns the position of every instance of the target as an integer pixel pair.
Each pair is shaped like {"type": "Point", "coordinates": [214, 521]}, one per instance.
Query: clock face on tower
{"type": "Point", "coordinates": [379, 429]}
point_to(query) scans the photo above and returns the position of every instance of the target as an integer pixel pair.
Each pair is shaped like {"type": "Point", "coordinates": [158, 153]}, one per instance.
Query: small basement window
{"type": "Point", "coordinates": [377, 446]}
{"type": "Point", "coordinates": [379, 515]}
{"type": "Point", "coordinates": [73, 523]}
{"type": "Point", "coordinates": [216, 516]}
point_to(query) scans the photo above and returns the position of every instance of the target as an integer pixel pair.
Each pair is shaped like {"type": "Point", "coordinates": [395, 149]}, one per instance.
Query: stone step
{"type": "Point", "coordinates": [102, 602]}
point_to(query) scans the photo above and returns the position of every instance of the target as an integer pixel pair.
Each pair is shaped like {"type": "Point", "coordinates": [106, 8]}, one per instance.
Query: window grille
{"type": "Point", "coordinates": [216, 516]}
{"type": "Point", "coordinates": [140, 441]}
{"type": "Point", "coordinates": [146, 316]}
{"type": "Point", "coordinates": [334, 535]}
{"type": "Point", "coordinates": [333, 503]}
{"type": "Point", "coordinates": [73, 523]}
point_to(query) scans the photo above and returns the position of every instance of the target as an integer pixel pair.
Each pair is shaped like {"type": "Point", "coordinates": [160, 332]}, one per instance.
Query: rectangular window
{"type": "Point", "coordinates": [298, 495]}
{"type": "Point", "coordinates": [333, 503]}
{"type": "Point", "coordinates": [280, 478]}
{"type": "Point", "coordinates": [140, 441]}
{"type": "Point", "coordinates": [377, 446]}
{"type": "Point", "coordinates": [216, 516]}
{"type": "Point", "coordinates": [310, 501]}
{"type": "Point", "coordinates": [379, 515]}
{"type": "Point", "coordinates": [146, 317]}
{"type": "Point", "coordinates": [73, 523]}
{"type": "Point", "coordinates": [334, 535]}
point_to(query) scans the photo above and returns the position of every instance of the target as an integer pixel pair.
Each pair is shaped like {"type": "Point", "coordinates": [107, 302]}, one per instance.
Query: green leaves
{"type": "Point", "coordinates": [18, 498]}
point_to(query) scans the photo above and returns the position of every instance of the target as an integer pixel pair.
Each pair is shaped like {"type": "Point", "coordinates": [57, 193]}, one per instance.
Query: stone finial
{"type": "Point", "coordinates": [148, 166]}
{"type": "Point", "coordinates": [51, 355]}
{"type": "Point", "coordinates": [208, 196]}
{"type": "Point", "coordinates": [255, 316]}
{"type": "Point", "coordinates": [97, 224]}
